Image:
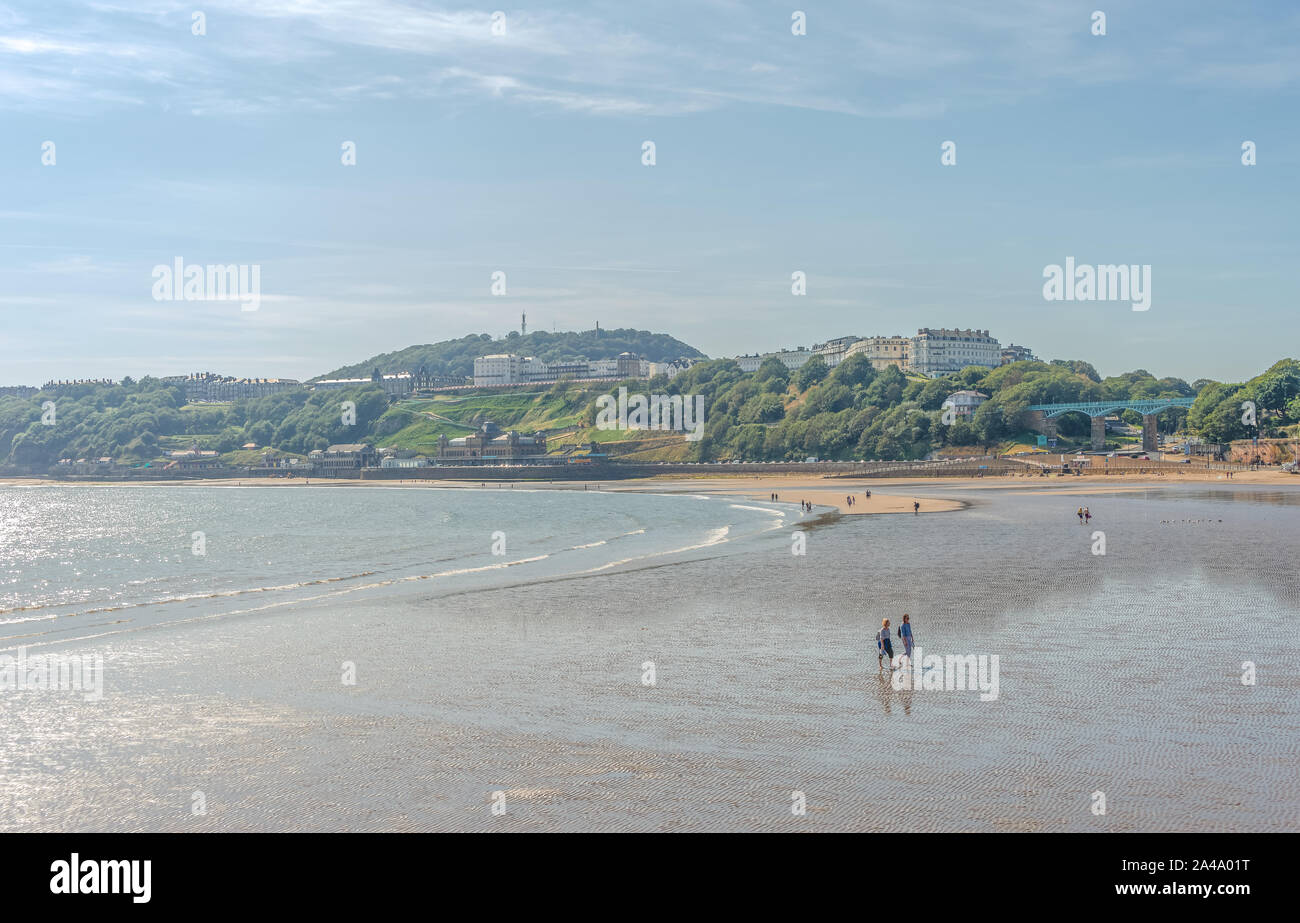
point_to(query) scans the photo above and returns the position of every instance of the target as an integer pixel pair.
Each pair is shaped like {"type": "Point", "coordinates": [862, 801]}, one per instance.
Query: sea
{"type": "Point", "coordinates": [529, 659]}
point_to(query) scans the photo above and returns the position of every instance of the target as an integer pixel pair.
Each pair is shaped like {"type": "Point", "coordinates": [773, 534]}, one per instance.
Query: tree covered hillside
{"type": "Point", "coordinates": [849, 412]}
{"type": "Point", "coordinates": [135, 422]}
{"type": "Point", "coordinates": [456, 357]}
{"type": "Point", "coordinates": [856, 411]}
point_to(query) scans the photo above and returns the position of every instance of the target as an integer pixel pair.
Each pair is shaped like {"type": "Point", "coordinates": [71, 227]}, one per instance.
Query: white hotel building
{"type": "Point", "coordinates": [942, 351]}
{"type": "Point", "coordinates": [790, 358]}
{"type": "Point", "coordinates": [507, 369]}
{"type": "Point", "coordinates": [512, 369]}
{"type": "Point", "coordinates": [396, 385]}
{"type": "Point", "coordinates": [883, 352]}
{"type": "Point", "coordinates": [932, 352]}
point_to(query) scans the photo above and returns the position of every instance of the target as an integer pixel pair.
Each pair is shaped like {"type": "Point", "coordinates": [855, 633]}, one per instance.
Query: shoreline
{"type": "Point", "coordinates": [888, 495]}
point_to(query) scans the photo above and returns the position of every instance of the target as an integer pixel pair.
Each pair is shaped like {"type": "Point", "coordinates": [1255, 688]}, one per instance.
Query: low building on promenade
{"type": "Point", "coordinates": [489, 446]}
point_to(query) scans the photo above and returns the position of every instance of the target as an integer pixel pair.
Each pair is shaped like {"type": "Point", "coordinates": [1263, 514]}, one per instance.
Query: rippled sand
{"type": "Point", "coordinates": [1119, 673]}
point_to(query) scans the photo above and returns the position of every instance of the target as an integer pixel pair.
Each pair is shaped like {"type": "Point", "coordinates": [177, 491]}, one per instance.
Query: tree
{"type": "Point", "coordinates": [762, 408]}
{"type": "Point", "coordinates": [1079, 367]}
{"type": "Point", "coordinates": [854, 372]}
{"type": "Point", "coordinates": [773, 370]}
{"type": "Point", "coordinates": [960, 433]}
{"type": "Point", "coordinates": [812, 372]}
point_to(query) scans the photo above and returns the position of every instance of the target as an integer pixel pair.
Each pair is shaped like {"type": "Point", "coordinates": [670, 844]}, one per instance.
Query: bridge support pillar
{"type": "Point", "coordinates": [1039, 422]}
{"type": "Point", "coordinates": [1149, 433]}
{"type": "Point", "coordinates": [1098, 433]}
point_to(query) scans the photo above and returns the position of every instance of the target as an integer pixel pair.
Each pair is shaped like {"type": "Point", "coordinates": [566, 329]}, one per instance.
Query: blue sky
{"type": "Point", "coordinates": [522, 153]}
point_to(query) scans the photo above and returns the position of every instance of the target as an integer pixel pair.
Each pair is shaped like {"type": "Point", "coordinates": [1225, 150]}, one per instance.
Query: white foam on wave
{"type": "Point", "coordinates": [711, 538]}
{"type": "Point", "coordinates": [183, 598]}
{"type": "Point", "coordinates": [759, 509]}
{"type": "Point", "coordinates": [717, 536]}
{"type": "Point", "coordinates": [468, 570]}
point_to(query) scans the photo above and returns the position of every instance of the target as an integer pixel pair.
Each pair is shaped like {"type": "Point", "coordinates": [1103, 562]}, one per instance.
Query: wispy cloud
{"type": "Point", "coordinates": [894, 59]}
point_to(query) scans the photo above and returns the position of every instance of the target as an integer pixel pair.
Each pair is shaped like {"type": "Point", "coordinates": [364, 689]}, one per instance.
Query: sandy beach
{"type": "Point", "coordinates": [888, 495]}
{"type": "Point", "coordinates": [522, 672]}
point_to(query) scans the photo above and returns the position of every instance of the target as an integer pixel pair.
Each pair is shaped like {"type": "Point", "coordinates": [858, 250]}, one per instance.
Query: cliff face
{"type": "Point", "coordinates": [1269, 451]}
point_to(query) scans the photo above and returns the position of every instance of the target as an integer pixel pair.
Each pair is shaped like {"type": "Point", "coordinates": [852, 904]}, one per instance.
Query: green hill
{"type": "Point", "coordinates": [456, 357]}
{"type": "Point", "coordinates": [851, 411]}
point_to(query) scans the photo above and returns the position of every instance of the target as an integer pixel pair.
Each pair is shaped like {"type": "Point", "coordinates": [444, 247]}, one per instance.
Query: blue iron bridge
{"type": "Point", "coordinates": [1102, 408]}
{"type": "Point", "coordinates": [1097, 410]}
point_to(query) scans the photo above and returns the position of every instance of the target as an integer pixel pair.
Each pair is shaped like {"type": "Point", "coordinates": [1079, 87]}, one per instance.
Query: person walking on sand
{"type": "Point", "coordinates": [905, 633]}
{"type": "Point", "coordinates": [916, 506]}
{"type": "Point", "coordinates": [885, 649]}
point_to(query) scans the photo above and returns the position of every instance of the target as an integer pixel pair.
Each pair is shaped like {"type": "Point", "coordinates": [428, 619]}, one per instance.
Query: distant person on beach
{"type": "Point", "coordinates": [885, 648]}
{"type": "Point", "coordinates": [868, 495]}
{"type": "Point", "coordinates": [905, 633]}
{"type": "Point", "coordinates": [916, 506]}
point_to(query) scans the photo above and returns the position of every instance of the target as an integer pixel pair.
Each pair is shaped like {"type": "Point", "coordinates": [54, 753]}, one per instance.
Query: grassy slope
{"type": "Point", "coordinates": [423, 421]}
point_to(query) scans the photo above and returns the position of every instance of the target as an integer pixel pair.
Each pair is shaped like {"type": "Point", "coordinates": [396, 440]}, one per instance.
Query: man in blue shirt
{"type": "Point", "coordinates": [905, 632]}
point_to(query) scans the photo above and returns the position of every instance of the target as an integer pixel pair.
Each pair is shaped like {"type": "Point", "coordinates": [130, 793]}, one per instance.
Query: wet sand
{"type": "Point", "coordinates": [767, 685]}
{"type": "Point", "coordinates": [888, 495]}
{"type": "Point", "coordinates": [820, 493]}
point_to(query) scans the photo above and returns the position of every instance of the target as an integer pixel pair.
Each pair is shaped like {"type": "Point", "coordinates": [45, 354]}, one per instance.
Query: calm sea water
{"type": "Point", "coordinates": [228, 701]}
